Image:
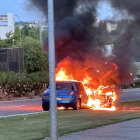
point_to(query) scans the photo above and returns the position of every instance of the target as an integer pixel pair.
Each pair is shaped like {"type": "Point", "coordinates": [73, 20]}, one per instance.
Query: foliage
{"type": "Point", "coordinates": [16, 35]}
{"type": "Point", "coordinates": [12, 38]}
{"type": "Point", "coordinates": [35, 59]}
{"type": "Point", "coordinates": [2, 43]}
{"type": "Point", "coordinates": [44, 35]}
{"type": "Point", "coordinates": [19, 84]}
{"type": "Point", "coordinates": [34, 33]}
{"type": "Point", "coordinates": [9, 41]}
{"type": "Point", "coordinates": [25, 30]}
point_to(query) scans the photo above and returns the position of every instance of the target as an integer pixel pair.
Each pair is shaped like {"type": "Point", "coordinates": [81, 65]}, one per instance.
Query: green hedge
{"type": "Point", "coordinates": [19, 84]}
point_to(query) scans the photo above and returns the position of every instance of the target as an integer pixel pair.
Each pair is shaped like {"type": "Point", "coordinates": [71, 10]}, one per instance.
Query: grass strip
{"type": "Point", "coordinates": [129, 104]}
{"type": "Point", "coordinates": [36, 127]}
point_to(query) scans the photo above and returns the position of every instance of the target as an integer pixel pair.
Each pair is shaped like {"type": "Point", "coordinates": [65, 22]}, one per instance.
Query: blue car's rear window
{"type": "Point", "coordinates": [64, 86]}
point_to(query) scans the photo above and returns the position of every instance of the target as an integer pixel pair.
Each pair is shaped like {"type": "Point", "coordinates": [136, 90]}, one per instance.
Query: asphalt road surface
{"type": "Point", "coordinates": [130, 95]}
{"type": "Point", "coordinates": [8, 108]}
{"type": "Point", "coordinates": [20, 107]}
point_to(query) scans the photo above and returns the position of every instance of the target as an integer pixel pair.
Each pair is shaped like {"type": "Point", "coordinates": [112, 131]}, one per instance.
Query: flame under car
{"type": "Point", "coordinates": [69, 94]}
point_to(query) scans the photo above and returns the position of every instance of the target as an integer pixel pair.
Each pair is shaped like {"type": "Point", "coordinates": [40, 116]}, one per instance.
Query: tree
{"type": "Point", "coordinates": [8, 42]}
{"type": "Point", "coordinates": [44, 35]}
{"type": "Point", "coordinates": [25, 30]}
{"type": "Point", "coordinates": [34, 33]}
{"type": "Point", "coordinates": [35, 59]}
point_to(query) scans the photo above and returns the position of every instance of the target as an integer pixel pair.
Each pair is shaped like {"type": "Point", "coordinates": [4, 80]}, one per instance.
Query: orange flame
{"type": "Point", "coordinates": [66, 71]}
{"type": "Point", "coordinates": [61, 76]}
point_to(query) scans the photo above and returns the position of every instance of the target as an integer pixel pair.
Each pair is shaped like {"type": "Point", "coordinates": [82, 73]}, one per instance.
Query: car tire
{"type": "Point", "coordinates": [77, 105]}
{"type": "Point", "coordinates": [45, 107]}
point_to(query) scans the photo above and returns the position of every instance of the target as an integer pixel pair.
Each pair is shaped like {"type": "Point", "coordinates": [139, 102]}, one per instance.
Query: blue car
{"type": "Point", "coordinates": [69, 94]}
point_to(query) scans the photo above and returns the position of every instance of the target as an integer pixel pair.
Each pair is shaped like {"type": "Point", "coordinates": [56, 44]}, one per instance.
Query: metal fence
{"type": "Point", "coordinates": [11, 59]}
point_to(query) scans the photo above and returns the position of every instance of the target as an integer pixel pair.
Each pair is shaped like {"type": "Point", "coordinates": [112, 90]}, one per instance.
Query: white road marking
{"type": "Point", "coordinates": [22, 114]}
{"type": "Point", "coordinates": [20, 100]}
{"type": "Point", "coordinates": [129, 100]}
{"type": "Point", "coordinates": [129, 90]}
{"type": "Point", "coordinates": [16, 106]}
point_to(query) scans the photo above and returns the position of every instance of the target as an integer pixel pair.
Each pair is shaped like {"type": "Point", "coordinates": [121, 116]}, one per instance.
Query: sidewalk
{"type": "Point", "coordinates": [127, 130]}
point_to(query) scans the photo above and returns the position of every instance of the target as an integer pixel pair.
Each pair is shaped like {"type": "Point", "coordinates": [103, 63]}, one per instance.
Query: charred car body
{"type": "Point", "coordinates": [106, 96]}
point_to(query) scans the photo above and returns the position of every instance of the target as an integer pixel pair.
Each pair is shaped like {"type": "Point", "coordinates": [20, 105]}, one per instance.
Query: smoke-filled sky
{"type": "Point", "coordinates": [18, 7]}
{"type": "Point", "coordinates": [76, 37]}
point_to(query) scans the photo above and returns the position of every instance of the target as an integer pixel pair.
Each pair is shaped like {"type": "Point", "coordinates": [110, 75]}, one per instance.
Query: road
{"type": "Point", "coordinates": [8, 108]}
{"type": "Point", "coordinates": [130, 95]}
{"type": "Point", "coordinates": [20, 107]}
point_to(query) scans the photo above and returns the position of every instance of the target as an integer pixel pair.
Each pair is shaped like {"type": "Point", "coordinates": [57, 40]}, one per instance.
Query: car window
{"type": "Point", "coordinates": [64, 86]}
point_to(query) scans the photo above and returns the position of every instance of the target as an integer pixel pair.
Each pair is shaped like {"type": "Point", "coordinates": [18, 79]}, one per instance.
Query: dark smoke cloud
{"type": "Point", "coordinates": [63, 8]}
{"type": "Point", "coordinates": [124, 54]}
{"type": "Point", "coordinates": [131, 6]}
{"type": "Point", "coordinates": [76, 36]}
{"type": "Point", "coordinates": [74, 29]}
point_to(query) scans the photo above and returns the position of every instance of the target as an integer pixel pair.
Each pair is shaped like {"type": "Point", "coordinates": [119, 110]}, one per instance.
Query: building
{"type": "Point", "coordinates": [111, 26]}
{"type": "Point", "coordinates": [6, 24]}
{"type": "Point", "coordinates": [96, 24]}
{"type": "Point", "coordinates": [108, 50]}
{"type": "Point", "coordinates": [35, 25]}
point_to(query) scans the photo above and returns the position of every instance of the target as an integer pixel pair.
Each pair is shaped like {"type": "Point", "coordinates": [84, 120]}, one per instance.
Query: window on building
{"type": "Point", "coordinates": [6, 18]}
{"type": "Point", "coordinates": [3, 15]}
{"type": "Point", "coordinates": [1, 18]}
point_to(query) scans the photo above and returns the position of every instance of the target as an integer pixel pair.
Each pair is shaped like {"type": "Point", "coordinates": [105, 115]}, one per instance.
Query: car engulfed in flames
{"type": "Point", "coordinates": [103, 98]}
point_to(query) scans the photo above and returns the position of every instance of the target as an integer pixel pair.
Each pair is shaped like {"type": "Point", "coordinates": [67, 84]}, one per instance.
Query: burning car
{"type": "Point", "coordinates": [103, 97]}
{"type": "Point", "coordinates": [69, 94]}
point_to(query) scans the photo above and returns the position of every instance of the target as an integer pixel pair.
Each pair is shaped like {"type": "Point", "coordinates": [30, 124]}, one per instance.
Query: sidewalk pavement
{"type": "Point", "coordinates": [127, 130]}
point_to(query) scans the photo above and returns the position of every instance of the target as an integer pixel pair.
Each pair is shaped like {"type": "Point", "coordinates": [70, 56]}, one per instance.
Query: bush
{"type": "Point", "coordinates": [20, 84]}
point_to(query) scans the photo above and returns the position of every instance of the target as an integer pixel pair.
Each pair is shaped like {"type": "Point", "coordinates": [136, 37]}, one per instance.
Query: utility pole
{"type": "Point", "coordinates": [52, 82]}
{"type": "Point", "coordinates": [40, 33]}
{"type": "Point", "coordinates": [19, 29]}
{"type": "Point", "coordinates": [41, 29]}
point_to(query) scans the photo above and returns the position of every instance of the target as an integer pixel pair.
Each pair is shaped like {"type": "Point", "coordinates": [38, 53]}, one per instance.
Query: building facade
{"type": "Point", "coordinates": [111, 26]}
{"type": "Point", "coordinates": [108, 50]}
{"type": "Point", "coordinates": [6, 24]}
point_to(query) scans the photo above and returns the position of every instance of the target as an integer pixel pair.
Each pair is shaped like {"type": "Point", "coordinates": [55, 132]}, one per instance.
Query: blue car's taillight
{"type": "Point", "coordinates": [72, 93]}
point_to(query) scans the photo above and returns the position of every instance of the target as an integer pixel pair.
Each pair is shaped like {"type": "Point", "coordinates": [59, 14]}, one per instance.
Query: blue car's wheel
{"type": "Point", "coordinates": [77, 105]}
{"type": "Point", "coordinates": [45, 107]}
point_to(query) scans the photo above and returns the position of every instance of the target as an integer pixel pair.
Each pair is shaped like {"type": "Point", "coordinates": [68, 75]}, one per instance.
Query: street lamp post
{"type": "Point", "coordinates": [52, 82]}
{"type": "Point", "coordinates": [40, 34]}
{"type": "Point", "coordinates": [41, 29]}
{"type": "Point", "coordinates": [19, 29]}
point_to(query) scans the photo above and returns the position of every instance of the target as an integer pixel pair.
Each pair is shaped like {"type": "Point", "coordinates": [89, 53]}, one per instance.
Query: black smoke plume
{"type": "Point", "coordinates": [74, 30]}
{"type": "Point", "coordinates": [76, 36]}
{"type": "Point", "coordinates": [124, 54]}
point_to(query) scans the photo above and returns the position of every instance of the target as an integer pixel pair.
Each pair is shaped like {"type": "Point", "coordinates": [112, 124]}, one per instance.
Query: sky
{"type": "Point", "coordinates": [104, 10]}
{"type": "Point", "coordinates": [17, 7]}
